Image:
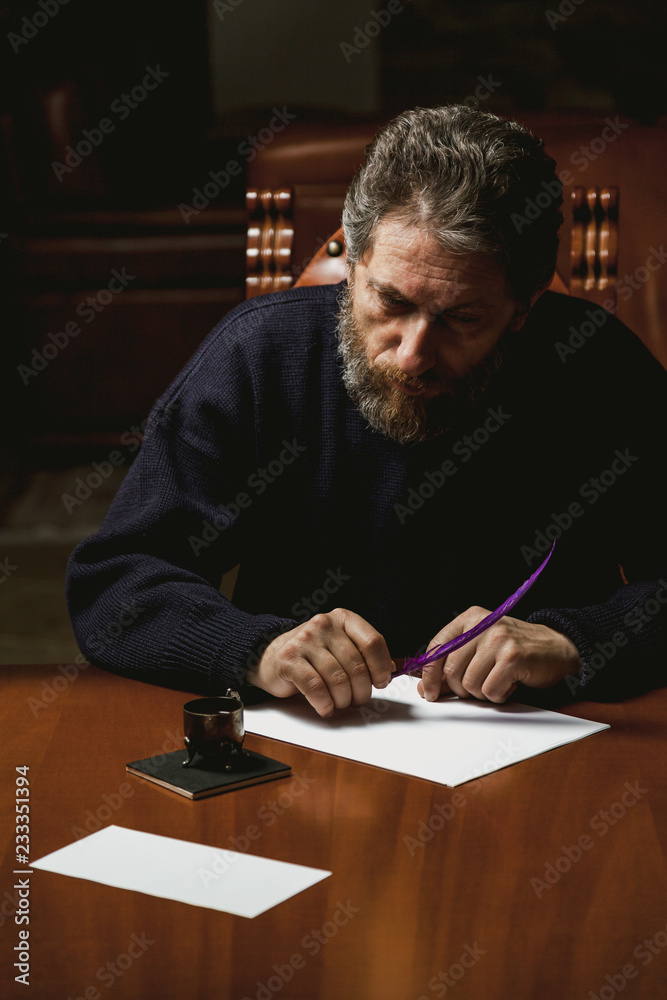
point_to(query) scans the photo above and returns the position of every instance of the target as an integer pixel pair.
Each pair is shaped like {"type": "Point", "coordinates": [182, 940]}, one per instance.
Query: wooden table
{"type": "Point", "coordinates": [543, 880]}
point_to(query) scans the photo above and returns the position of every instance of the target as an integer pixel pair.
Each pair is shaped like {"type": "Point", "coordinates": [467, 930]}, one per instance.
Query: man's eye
{"type": "Point", "coordinates": [389, 301]}
{"type": "Point", "coordinates": [464, 319]}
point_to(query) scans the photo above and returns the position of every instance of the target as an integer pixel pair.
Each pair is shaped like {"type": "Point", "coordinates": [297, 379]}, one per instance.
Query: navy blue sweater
{"type": "Point", "coordinates": [256, 455]}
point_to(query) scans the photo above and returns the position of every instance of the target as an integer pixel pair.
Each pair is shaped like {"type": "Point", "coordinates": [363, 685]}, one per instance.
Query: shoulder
{"type": "Point", "coordinates": [584, 337]}
{"type": "Point", "coordinates": [579, 361]}
{"type": "Point", "coordinates": [304, 309]}
{"type": "Point", "coordinates": [276, 328]}
{"type": "Point", "coordinates": [260, 358]}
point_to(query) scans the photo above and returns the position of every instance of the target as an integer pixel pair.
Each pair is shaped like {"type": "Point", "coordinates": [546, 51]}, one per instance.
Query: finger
{"type": "Point", "coordinates": [445, 674]}
{"type": "Point", "coordinates": [495, 669]}
{"type": "Point", "coordinates": [457, 665]}
{"type": "Point", "coordinates": [491, 680]}
{"type": "Point", "coordinates": [451, 669]}
{"type": "Point", "coordinates": [433, 682]}
{"type": "Point", "coordinates": [344, 671]}
{"type": "Point", "coordinates": [301, 676]}
{"type": "Point", "coordinates": [372, 647]}
{"type": "Point", "coordinates": [500, 662]}
{"type": "Point", "coordinates": [347, 653]}
{"type": "Point", "coordinates": [443, 689]}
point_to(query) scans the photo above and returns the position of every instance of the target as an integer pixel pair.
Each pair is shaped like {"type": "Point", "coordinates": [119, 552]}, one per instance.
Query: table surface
{"type": "Point", "coordinates": [543, 880]}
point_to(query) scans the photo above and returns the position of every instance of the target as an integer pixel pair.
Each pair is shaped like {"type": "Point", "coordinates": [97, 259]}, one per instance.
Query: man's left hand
{"type": "Point", "coordinates": [491, 666]}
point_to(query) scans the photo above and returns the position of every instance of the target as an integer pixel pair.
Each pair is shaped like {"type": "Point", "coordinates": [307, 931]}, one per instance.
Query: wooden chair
{"type": "Point", "coordinates": [590, 239]}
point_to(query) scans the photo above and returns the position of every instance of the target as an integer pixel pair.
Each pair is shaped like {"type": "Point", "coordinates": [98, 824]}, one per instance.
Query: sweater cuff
{"type": "Point", "coordinates": [223, 648]}
{"type": "Point", "coordinates": [567, 621]}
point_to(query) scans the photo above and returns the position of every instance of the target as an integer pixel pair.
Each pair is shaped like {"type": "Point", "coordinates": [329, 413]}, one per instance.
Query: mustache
{"type": "Point", "coordinates": [420, 383]}
{"type": "Point", "coordinates": [420, 416]}
{"type": "Point", "coordinates": [396, 374]}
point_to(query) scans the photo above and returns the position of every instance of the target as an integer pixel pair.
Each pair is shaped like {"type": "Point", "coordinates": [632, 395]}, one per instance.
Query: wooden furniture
{"type": "Point", "coordinates": [591, 231]}
{"type": "Point", "coordinates": [594, 151]}
{"type": "Point", "coordinates": [91, 354]}
{"type": "Point", "coordinates": [546, 879]}
{"type": "Point", "coordinates": [80, 199]}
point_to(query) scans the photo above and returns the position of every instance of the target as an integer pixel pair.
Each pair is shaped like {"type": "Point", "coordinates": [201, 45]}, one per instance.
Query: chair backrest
{"type": "Point", "coordinates": [592, 236]}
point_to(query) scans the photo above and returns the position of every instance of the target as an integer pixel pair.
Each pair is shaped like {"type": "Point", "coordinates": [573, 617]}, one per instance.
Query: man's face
{"type": "Point", "coordinates": [422, 331]}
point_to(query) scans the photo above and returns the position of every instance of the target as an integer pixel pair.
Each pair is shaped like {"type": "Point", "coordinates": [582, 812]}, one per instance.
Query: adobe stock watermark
{"type": "Point", "coordinates": [222, 7]}
{"type": "Point", "coordinates": [601, 823]}
{"type": "Point", "coordinates": [110, 803]}
{"type": "Point", "coordinates": [312, 943]}
{"type": "Point", "coordinates": [7, 569]}
{"type": "Point", "coordinates": [426, 830]}
{"type": "Point", "coordinates": [52, 689]}
{"type": "Point", "coordinates": [131, 439]}
{"type": "Point", "coordinates": [31, 26]}
{"type": "Point", "coordinates": [255, 655]}
{"type": "Point", "coordinates": [173, 742]}
{"type": "Point", "coordinates": [83, 488]}
{"type": "Point", "coordinates": [644, 952]}
{"type": "Point", "coordinates": [109, 973]}
{"type": "Point", "coordinates": [486, 86]}
{"type": "Point", "coordinates": [591, 491]}
{"type": "Point", "coordinates": [88, 309]}
{"type": "Point", "coordinates": [464, 449]}
{"type": "Point", "coordinates": [634, 622]}
{"type": "Point", "coordinates": [440, 984]}
{"type": "Point", "coordinates": [376, 707]}
{"type": "Point", "coordinates": [126, 619]}
{"type": "Point", "coordinates": [580, 158]}
{"type": "Point", "coordinates": [596, 318]}
{"type": "Point", "coordinates": [363, 34]}
{"type": "Point", "coordinates": [631, 283]}
{"type": "Point", "coordinates": [583, 156]}
{"type": "Point", "coordinates": [122, 107]}
{"type": "Point", "coordinates": [258, 482]}
{"type": "Point", "coordinates": [267, 814]}
{"type": "Point", "coordinates": [9, 907]}
{"type": "Point", "coordinates": [69, 672]}
{"type": "Point", "coordinates": [565, 9]}
{"type": "Point", "coordinates": [247, 149]}
{"type": "Point", "coordinates": [442, 813]}
{"type": "Point", "coordinates": [305, 607]}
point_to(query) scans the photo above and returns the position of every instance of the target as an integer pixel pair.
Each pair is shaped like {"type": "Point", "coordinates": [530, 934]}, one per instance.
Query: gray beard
{"type": "Point", "coordinates": [407, 419]}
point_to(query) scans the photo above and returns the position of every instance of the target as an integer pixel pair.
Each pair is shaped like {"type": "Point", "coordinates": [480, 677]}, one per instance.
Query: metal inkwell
{"type": "Point", "coordinates": [214, 728]}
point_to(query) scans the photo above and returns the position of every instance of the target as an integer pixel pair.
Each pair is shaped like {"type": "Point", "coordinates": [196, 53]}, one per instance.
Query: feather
{"type": "Point", "coordinates": [415, 662]}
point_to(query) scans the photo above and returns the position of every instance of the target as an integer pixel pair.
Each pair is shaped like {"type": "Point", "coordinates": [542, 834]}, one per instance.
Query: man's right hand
{"type": "Point", "coordinates": [334, 659]}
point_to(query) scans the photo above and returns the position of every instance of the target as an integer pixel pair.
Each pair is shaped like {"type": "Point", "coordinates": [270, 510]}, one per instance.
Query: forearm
{"type": "Point", "coordinates": [159, 623]}
{"type": "Point", "coordinates": [143, 593]}
{"type": "Point", "coordinates": [622, 642]}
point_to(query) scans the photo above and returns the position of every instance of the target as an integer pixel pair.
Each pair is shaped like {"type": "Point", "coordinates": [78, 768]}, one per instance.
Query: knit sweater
{"type": "Point", "coordinates": [256, 455]}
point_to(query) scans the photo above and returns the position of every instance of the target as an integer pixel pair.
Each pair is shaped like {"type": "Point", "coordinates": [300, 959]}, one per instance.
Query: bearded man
{"type": "Point", "coordinates": [389, 458]}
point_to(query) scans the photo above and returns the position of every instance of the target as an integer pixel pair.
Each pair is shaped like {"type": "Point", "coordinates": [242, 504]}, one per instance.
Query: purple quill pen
{"type": "Point", "coordinates": [414, 662]}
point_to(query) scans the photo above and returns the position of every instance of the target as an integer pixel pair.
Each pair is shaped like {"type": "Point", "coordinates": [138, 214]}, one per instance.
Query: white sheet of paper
{"type": "Point", "coordinates": [449, 741]}
{"type": "Point", "coordinates": [242, 884]}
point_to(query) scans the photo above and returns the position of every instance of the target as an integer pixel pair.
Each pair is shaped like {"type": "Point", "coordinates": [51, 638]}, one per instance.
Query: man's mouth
{"type": "Point", "coordinates": [408, 388]}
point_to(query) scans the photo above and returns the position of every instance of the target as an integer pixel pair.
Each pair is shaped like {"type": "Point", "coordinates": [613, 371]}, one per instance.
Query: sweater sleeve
{"type": "Point", "coordinates": [622, 636]}
{"type": "Point", "coordinates": [615, 639]}
{"type": "Point", "coordinates": [143, 593]}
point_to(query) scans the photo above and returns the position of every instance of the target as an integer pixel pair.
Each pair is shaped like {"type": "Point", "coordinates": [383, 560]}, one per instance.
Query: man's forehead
{"type": "Point", "coordinates": [407, 260]}
{"type": "Point", "coordinates": [405, 288]}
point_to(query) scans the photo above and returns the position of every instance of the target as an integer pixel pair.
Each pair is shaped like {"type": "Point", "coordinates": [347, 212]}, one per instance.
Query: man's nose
{"type": "Point", "coordinates": [417, 350]}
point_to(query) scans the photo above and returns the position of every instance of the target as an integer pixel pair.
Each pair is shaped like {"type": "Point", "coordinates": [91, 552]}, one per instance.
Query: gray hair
{"type": "Point", "coordinates": [468, 177]}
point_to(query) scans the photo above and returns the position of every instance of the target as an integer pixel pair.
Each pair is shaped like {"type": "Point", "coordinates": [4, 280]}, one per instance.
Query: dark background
{"type": "Point", "coordinates": [228, 65]}
{"type": "Point", "coordinates": [602, 56]}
